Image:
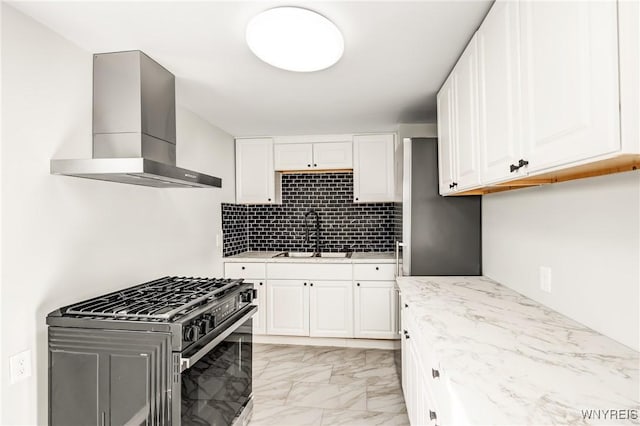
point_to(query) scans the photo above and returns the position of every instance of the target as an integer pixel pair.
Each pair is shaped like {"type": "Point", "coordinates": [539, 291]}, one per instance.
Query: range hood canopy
{"type": "Point", "coordinates": [134, 126]}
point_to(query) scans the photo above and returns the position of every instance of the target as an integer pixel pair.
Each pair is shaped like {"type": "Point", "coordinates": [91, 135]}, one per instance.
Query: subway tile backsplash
{"type": "Point", "coordinates": [371, 227]}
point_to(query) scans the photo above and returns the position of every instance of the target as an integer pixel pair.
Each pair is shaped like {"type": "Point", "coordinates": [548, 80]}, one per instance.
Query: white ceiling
{"type": "Point", "coordinates": [397, 55]}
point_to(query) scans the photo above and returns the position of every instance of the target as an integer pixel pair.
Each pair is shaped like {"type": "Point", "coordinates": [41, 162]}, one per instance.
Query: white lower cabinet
{"type": "Point", "coordinates": [331, 309]}
{"type": "Point", "coordinates": [421, 378]}
{"type": "Point", "coordinates": [310, 308]}
{"type": "Point", "coordinates": [375, 310]}
{"type": "Point", "coordinates": [252, 272]}
{"type": "Point", "coordinates": [288, 307]}
{"type": "Point", "coordinates": [321, 299]}
{"type": "Point", "coordinates": [260, 319]}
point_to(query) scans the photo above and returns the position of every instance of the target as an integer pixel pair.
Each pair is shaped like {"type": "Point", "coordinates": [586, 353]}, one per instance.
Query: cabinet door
{"type": "Point", "coordinates": [373, 172]}
{"type": "Point", "coordinates": [109, 377]}
{"type": "Point", "coordinates": [331, 309]}
{"type": "Point", "coordinates": [499, 92]}
{"type": "Point", "coordinates": [260, 319]}
{"type": "Point", "coordinates": [293, 156]}
{"type": "Point", "coordinates": [629, 27]}
{"type": "Point", "coordinates": [333, 155]}
{"type": "Point", "coordinates": [375, 310]}
{"type": "Point", "coordinates": [466, 159]}
{"type": "Point", "coordinates": [288, 307]}
{"type": "Point", "coordinates": [255, 177]}
{"type": "Point", "coordinates": [446, 149]}
{"type": "Point", "coordinates": [570, 81]}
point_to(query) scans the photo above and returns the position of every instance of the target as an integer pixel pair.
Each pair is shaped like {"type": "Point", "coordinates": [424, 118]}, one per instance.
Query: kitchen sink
{"type": "Point", "coordinates": [302, 255]}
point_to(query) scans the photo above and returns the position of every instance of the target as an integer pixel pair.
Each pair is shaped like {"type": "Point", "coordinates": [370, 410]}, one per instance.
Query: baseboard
{"type": "Point", "coordinates": [327, 341]}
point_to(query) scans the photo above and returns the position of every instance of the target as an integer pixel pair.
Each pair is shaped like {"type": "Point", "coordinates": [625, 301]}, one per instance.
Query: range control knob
{"type": "Point", "coordinates": [210, 321]}
{"type": "Point", "coordinates": [190, 333]}
{"type": "Point", "coordinates": [203, 327]}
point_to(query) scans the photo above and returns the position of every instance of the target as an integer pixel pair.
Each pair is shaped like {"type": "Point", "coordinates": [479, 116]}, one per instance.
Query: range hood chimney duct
{"type": "Point", "coordinates": [134, 126]}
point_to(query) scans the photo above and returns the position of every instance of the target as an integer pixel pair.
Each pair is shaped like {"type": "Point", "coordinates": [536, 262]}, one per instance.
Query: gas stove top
{"type": "Point", "coordinates": [164, 299]}
{"type": "Point", "coordinates": [192, 309]}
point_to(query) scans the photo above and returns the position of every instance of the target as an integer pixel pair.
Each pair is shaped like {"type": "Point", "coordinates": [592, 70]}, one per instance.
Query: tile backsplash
{"type": "Point", "coordinates": [344, 225]}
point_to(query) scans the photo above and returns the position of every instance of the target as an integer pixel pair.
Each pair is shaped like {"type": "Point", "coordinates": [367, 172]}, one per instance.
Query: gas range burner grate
{"type": "Point", "coordinates": [161, 299]}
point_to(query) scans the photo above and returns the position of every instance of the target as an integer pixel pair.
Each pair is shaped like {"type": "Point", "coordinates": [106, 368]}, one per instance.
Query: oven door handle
{"type": "Point", "coordinates": [186, 363]}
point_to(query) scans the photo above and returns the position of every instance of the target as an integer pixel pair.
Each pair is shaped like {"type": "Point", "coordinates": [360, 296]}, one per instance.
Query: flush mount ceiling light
{"type": "Point", "coordinates": [295, 39]}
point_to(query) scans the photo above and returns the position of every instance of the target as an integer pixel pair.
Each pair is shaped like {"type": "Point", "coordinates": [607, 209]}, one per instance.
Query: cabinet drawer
{"type": "Point", "coordinates": [374, 271]}
{"type": "Point", "coordinates": [244, 270]}
{"type": "Point", "coordinates": [309, 271]}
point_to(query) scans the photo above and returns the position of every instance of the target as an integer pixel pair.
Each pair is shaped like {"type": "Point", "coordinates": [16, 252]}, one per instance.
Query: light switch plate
{"type": "Point", "coordinates": [20, 366]}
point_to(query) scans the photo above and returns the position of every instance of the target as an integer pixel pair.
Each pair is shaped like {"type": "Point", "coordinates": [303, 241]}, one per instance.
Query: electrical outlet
{"type": "Point", "coordinates": [20, 366]}
{"type": "Point", "coordinates": [545, 279]}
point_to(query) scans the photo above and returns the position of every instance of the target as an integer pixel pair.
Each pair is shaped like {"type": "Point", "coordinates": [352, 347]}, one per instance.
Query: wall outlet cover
{"type": "Point", "coordinates": [20, 366]}
{"type": "Point", "coordinates": [545, 279]}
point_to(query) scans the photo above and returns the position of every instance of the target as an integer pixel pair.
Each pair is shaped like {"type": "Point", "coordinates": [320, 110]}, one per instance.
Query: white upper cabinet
{"type": "Point", "coordinates": [458, 153]}
{"type": "Point", "coordinates": [499, 92]}
{"type": "Point", "coordinates": [629, 26]}
{"type": "Point", "coordinates": [373, 168]}
{"type": "Point", "coordinates": [333, 155]}
{"type": "Point", "coordinates": [569, 66]}
{"type": "Point", "coordinates": [293, 156]}
{"type": "Point", "coordinates": [255, 175]}
{"type": "Point", "coordinates": [466, 161]}
{"type": "Point", "coordinates": [547, 99]}
{"type": "Point", "coordinates": [446, 137]}
{"type": "Point", "coordinates": [313, 156]}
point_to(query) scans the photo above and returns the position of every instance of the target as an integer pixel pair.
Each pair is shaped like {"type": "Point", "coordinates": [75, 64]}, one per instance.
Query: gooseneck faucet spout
{"type": "Point", "coordinates": [317, 226]}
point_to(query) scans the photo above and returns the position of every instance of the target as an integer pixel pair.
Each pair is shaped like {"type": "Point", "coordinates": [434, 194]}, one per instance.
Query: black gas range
{"type": "Point", "coordinates": [174, 351]}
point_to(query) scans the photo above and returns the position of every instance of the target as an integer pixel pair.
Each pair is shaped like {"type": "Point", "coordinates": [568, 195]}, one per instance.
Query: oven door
{"type": "Point", "coordinates": [216, 378]}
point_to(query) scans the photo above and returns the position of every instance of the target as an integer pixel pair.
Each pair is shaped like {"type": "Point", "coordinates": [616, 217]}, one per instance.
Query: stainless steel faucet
{"type": "Point", "coordinates": [306, 229]}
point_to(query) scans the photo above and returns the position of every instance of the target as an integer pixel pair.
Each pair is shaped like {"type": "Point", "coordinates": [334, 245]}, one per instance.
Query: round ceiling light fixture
{"type": "Point", "coordinates": [295, 39]}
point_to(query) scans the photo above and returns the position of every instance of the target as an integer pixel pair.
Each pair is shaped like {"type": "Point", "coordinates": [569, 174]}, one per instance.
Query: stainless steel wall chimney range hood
{"type": "Point", "coordinates": [134, 126]}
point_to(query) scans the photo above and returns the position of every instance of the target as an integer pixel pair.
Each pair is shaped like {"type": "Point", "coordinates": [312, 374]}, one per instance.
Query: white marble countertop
{"type": "Point", "coordinates": [510, 360]}
{"type": "Point", "coordinates": [268, 256]}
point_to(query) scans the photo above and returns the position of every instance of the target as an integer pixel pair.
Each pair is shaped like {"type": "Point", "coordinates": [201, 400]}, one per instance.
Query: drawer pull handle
{"type": "Point", "coordinates": [435, 373]}
{"type": "Point", "coordinates": [432, 415]}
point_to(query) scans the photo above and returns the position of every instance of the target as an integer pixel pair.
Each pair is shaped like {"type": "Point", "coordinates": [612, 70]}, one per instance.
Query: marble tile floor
{"type": "Point", "coordinates": [317, 385]}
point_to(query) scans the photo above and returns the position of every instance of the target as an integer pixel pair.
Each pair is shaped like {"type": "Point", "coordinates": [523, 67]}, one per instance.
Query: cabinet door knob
{"type": "Point", "coordinates": [377, 268]}
{"type": "Point", "coordinates": [305, 283]}
{"type": "Point", "coordinates": [311, 284]}
{"type": "Point", "coordinates": [260, 283]}
{"type": "Point", "coordinates": [268, 199]}
{"type": "Point", "coordinates": [432, 415]}
{"type": "Point", "coordinates": [358, 284]}
{"type": "Point", "coordinates": [308, 165]}
{"type": "Point", "coordinates": [315, 165]}
{"type": "Point", "coordinates": [356, 198]}
{"type": "Point", "coordinates": [406, 306]}
{"type": "Point", "coordinates": [435, 373]}
{"type": "Point", "coordinates": [243, 268]}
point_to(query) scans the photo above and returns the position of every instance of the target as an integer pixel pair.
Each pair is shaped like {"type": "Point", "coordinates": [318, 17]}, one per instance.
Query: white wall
{"type": "Point", "coordinates": [66, 238]}
{"type": "Point", "coordinates": [588, 232]}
